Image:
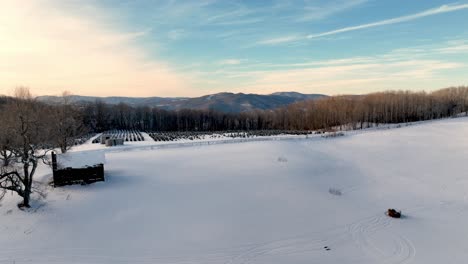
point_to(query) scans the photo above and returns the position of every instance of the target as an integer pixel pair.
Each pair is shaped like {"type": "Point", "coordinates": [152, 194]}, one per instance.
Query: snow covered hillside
{"type": "Point", "coordinates": [311, 200]}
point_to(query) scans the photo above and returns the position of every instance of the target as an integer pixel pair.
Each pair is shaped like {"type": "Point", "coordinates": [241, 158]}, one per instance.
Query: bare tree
{"type": "Point", "coordinates": [67, 124]}
{"type": "Point", "coordinates": [28, 139]}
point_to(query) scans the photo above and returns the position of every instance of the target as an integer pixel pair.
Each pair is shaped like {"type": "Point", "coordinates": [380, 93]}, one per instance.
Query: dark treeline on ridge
{"type": "Point", "coordinates": [323, 113]}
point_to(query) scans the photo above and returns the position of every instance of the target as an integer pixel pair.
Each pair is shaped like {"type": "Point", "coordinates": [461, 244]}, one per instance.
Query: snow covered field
{"type": "Point", "coordinates": [258, 202]}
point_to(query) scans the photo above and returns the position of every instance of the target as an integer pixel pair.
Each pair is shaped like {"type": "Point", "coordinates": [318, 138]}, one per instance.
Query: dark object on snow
{"type": "Point", "coordinates": [114, 142]}
{"type": "Point", "coordinates": [70, 176]}
{"type": "Point", "coordinates": [394, 213]}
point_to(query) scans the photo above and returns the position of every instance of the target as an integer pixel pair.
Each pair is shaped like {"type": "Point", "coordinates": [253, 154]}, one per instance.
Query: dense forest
{"type": "Point", "coordinates": [333, 111]}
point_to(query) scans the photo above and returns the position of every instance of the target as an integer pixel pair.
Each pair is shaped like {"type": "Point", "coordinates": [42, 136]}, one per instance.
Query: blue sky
{"type": "Point", "coordinates": [209, 46]}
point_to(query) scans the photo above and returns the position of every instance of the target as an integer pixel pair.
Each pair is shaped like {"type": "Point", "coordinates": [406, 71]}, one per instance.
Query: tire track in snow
{"type": "Point", "coordinates": [299, 244]}
{"type": "Point", "coordinates": [362, 232]}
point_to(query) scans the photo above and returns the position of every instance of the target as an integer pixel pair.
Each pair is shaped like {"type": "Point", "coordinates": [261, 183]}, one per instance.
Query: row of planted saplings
{"type": "Point", "coordinates": [125, 135]}
{"type": "Point", "coordinates": [266, 133]}
{"type": "Point", "coordinates": [174, 136]}
{"type": "Point", "coordinates": [197, 135]}
{"type": "Point", "coordinates": [183, 135]}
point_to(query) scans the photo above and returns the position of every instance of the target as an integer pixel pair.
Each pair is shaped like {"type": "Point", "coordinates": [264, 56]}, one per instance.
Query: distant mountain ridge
{"type": "Point", "coordinates": [225, 102]}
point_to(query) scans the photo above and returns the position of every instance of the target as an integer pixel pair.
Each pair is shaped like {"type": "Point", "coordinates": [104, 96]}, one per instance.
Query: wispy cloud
{"type": "Point", "coordinates": [230, 62]}
{"type": "Point", "coordinates": [205, 13]}
{"type": "Point", "coordinates": [455, 47]}
{"type": "Point", "coordinates": [237, 14]}
{"type": "Point", "coordinates": [419, 67]}
{"type": "Point", "coordinates": [278, 40]}
{"type": "Point", "coordinates": [426, 13]}
{"type": "Point", "coordinates": [317, 12]}
{"type": "Point", "coordinates": [353, 78]}
{"type": "Point", "coordinates": [430, 12]}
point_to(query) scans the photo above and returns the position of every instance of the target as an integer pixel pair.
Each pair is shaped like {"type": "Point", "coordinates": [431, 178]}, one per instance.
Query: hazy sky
{"type": "Point", "coordinates": [197, 47]}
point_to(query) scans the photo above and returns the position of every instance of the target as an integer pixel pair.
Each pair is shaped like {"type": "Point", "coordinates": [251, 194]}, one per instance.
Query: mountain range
{"type": "Point", "coordinates": [225, 102]}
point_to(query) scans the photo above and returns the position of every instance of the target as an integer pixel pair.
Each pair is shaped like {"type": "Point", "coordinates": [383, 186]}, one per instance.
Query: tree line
{"type": "Point", "coordinates": [373, 109]}
{"type": "Point", "coordinates": [324, 113]}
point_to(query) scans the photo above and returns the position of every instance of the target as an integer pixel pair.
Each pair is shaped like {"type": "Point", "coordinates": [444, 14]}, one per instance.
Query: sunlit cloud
{"type": "Point", "coordinates": [49, 50]}
{"type": "Point", "coordinates": [230, 62]}
{"type": "Point", "coordinates": [461, 48]}
{"type": "Point", "coordinates": [408, 68]}
{"type": "Point", "coordinates": [278, 40]}
{"type": "Point", "coordinates": [353, 78]}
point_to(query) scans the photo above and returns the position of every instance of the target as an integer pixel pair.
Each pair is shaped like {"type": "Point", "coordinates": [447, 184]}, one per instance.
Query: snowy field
{"type": "Point", "coordinates": [258, 202]}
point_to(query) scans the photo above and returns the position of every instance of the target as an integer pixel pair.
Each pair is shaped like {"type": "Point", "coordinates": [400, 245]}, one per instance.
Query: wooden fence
{"type": "Point", "coordinates": [70, 176]}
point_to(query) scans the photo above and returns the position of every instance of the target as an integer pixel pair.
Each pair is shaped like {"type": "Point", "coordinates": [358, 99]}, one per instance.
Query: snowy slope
{"type": "Point", "coordinates": [259, 202]}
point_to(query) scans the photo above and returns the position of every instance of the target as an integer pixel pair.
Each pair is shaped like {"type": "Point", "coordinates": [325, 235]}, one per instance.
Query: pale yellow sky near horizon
{"type": "Point", "coordinates": [50, 52]}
